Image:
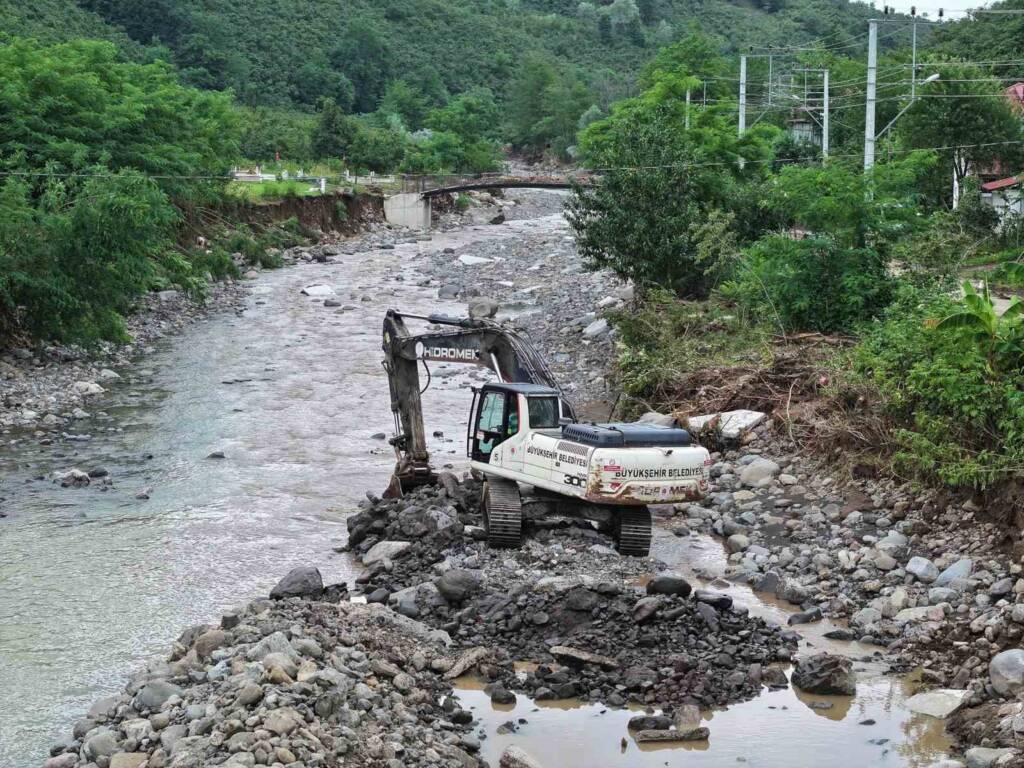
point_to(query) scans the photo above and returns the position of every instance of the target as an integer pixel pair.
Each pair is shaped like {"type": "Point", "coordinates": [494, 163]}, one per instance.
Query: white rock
{"type": "Point", "coordinates": [984, 757]}
{"type": "Point", "coordinates": [597, 329]}
{"type": "Point", "coordinates": [757, 471]}
{"type": "Point", "coordinates": [732, 424]}
{"type": "Point", "coordinates": [87, 388]}
{"type": "Point", "coordinates": [318, 290]}
{"type": "Point", "coordinates": [961, 569]}
{"type": "Point", "coordinates": [941, 702]}
{"type": "Point", "coordinates": [108, 375]}
{"type": "Point", "coordinates": [472, 261]}
{"type": "Point", "coordinates": [923, 568]}
{"type": "Point", "coordinates": [1006, 671]}
{"type": "Point", "coordinates": [385, 549]}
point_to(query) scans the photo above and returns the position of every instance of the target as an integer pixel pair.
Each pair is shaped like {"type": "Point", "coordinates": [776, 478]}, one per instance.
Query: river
{"type": "Point", "coordinates": [94, 582]}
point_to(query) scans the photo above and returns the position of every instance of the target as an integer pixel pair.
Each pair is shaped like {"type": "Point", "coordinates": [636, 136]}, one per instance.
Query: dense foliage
{"type": "Point", "coordinates": [951, 372]}
{"type": "Point", "coordinates": [98, 151]}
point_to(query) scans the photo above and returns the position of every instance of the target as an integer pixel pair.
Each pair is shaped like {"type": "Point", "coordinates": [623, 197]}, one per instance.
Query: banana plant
{"type": "Point", "coordinates": [999, 337]}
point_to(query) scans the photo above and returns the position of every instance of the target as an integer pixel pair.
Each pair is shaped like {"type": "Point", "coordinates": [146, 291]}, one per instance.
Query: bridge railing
{"type": "Point", "coordinates": [427, 182]}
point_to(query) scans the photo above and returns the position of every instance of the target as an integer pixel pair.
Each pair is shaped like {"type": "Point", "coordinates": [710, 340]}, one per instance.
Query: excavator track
{"type": "Point", "coordinates": [633, 531]}
{"type": "Point", "coordinates": [503, 513]}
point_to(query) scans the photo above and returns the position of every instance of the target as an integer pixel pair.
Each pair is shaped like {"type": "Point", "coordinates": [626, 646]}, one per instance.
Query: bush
{"type": "Point", "coordinates": [69, 269]}
{"type": "Point", "coordinates": [962, 419]}
{"type": "Point", "coordinates": [810, 285]}
{"type": "Point", "coordinates": [663, 338]}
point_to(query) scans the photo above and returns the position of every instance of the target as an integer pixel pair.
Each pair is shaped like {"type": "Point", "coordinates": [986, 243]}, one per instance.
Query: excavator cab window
{"type": "Point", "coordinates": [491, 424]}
{"type": "Point", "coordinates": [543, 412]}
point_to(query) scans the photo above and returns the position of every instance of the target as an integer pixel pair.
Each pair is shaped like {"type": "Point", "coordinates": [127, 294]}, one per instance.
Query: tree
{"type": "Point", "coordinates": [376, 149]}
{"type": "Point", "coordinates": [651, 224]}
{"type": "Point", "coordinates": [405, 101]}
{"type": "Point", "coordinates": [334, 132]}
{"type": "Point", "coordinates": [472, 115]}
{"type": "Point", "coordinates": [998, 336]}
{"type": "Point", "coordinates": [315, 80]}
{"type": "Point", "coordinates": [364, 58]}
{"type": "Point", "coordinates": [987, 128]}
{"type": "Point", "coordinates": [544, 107]}
{"type": "Point", "coordinates": [604, 27]}
{"type": "Point", "coordinates": [648, 10]}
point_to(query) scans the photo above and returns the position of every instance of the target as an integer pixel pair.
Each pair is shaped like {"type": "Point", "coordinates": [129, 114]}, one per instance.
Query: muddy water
{"type": "Point", "coordinates": [92, 583]}
{"type": "Point", "coordinates": [780, 728]}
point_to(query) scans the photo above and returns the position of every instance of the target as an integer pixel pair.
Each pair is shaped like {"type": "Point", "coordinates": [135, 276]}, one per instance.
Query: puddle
{"type": "Point", "coordinates": [780, 728]}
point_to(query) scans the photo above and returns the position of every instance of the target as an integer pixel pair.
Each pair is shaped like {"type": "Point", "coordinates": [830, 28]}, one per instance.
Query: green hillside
{"type": "Point", "coordinates": [281, 52]}
{"type": "Point", "coordinates": [56, 21]}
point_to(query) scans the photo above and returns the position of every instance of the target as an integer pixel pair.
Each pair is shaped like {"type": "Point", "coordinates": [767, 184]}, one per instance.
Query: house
{"type": "Point", "coordinates": [1004, 195]}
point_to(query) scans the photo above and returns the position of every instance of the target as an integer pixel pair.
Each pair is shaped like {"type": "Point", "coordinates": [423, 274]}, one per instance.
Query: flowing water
{"type": "Point", "coordinates": [94, 582]}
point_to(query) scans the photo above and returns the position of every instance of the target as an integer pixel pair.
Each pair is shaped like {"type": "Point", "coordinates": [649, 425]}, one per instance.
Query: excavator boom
{"type": "Point", "coordinates": [470, 341]}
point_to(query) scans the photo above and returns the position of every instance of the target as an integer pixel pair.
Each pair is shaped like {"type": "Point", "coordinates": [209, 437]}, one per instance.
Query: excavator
{"type": "Point", "coordinates": [524, 440]}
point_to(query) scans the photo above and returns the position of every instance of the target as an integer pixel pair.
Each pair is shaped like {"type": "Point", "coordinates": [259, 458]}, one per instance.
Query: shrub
{"type": "Point", "coordinates": [810, 284]}
{"type": "Point", "coordinates": [962, 419]}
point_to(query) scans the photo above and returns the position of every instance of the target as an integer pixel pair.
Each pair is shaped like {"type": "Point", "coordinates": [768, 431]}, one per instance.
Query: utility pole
{"type": "Point", "coordinates": [869, 115]}
{"type": "Point", "coordinates": [824, 120]}
{"type": "Point", "coordinates": [769, 80]}
{"type": "Point", "coordinates": [743, 94]}
{"type": "Point", "coordinates": [687, 124]}
{"type": "Point", "coordinates": [913, 55]}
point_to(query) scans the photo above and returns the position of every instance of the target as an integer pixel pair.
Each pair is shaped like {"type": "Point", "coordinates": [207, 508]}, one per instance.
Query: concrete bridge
{"type": "Point", "coordinates": [411, 207]}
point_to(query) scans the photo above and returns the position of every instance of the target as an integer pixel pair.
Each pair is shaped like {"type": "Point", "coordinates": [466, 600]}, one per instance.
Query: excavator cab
{"type": "Point", "coordinates": [495, 415]}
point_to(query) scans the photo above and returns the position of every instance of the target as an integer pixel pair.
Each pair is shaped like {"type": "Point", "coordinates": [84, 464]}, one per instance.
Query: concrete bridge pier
{"type": "Point", "coordinates": [408, 209]}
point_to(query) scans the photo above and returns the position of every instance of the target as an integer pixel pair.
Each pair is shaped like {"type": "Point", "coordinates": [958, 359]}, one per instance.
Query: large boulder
{"type": "Point", "coordinates": [825, 674]}
{"type": "Point", "coordinates": [456, 584]}
{"type": "Point", "coordinates": [299, 582]}
{"type": "Point", "coordinates": [482, 307]}
{"type": "Point", "coordinates": [758, 471]}
{"type": "Point", "coordinates": [515, 757]}
{"type": "Point", "coordinates": [1006, 672]}
{"type": "Point", "coordinates": [388, 550]}
{"type": "Point", "coordinates": [669, 584]}
{"type": "Point", "coordinates": [961, 569]}
{"type": "Point", "coordinates": [153, 695]}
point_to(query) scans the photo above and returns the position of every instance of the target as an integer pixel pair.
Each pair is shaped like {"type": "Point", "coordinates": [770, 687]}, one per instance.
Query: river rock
{"type": "Point", "coordinates": [102, 743]}
{"type": "Point", "coordinates": [658, 419]}
{"type": "Point", "coordinates": [923, 568]}
{"type": "Point", "coordinates": [283, 721]}
{"type": "Point", "coordinates": [985, 757]}
{"type": "Point", "coordinates": [825, 674]}
{"type": "Point", "coordinates": [941, 702]}
{"type": "Point", "coordinates": [276, 642]}
{"type": "Point", "coordinates": [516, 757]}
{"type": "Point", "coordinates": [565, 653]}
{"type": "Point", "coordinates": [1006, 672]}
{"type": "Point", "coordinates": [669, 584]}
{"type": "Point", "coordinates": [153, 695]}
{"type": "Point", "coordinates": [210, 641]}
{"type": "Point", "coordinates": [597, 329]}
{"type": "Point", "coordinates": [318, 290]}
{"type": "Point", "coordinates": [128, 760]}
{"type": "Point", "coordinates": [645, 608]}
{"type": "Point", "coordinates": [961, 569]}
{"type": "Point", "coordinates": [482, 307]}
{"type": "Point", "coordinates": [299, 582]}
{"type": "Point", "coordinates": [67, 760]}
{"type": "Point", "coordinates": [716, 600]}
{"type": "Point", "coordinates": [757, 471]}
{"type": "Point", "coordinates": [385, 549]}
{"type": "Point", "coordinates": [456, 584]}
{"type": "Point", "coordinates": [87, 388]}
